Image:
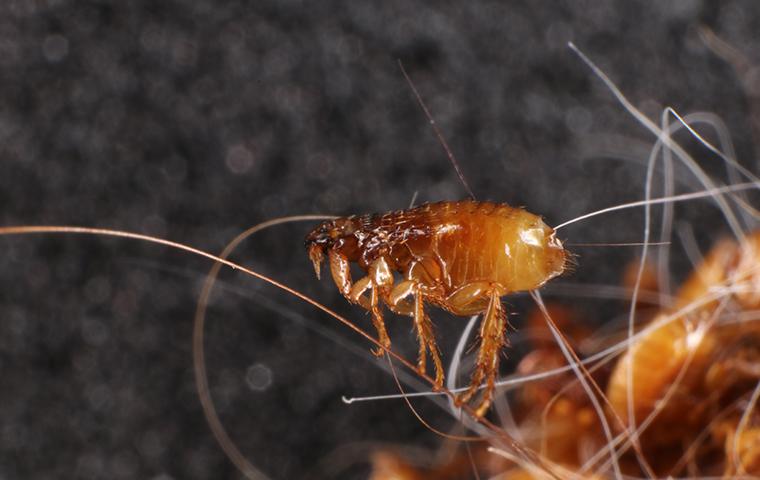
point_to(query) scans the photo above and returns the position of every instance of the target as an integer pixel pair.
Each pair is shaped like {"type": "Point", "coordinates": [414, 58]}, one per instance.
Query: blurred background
{"type": "Point", "coordinates": [194, 120]}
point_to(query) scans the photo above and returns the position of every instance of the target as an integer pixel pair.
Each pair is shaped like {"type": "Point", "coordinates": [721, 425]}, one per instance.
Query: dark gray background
{"type": "Point", "coordinates": [194, 120]}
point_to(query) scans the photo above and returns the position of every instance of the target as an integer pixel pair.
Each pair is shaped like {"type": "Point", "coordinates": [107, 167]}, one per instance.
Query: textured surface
{"type": "Point", "coordinates": [194, 120]}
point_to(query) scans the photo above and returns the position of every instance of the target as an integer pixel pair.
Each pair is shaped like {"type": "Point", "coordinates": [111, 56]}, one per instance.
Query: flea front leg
{"type": "Point", "coordinates": [378, 280]}
{"type": "Point", "coordinates": [397, 302]}
{"type": "Point", "coordinates": [340, 269]}
{"type": "Point", "coordinates": [492, 340]}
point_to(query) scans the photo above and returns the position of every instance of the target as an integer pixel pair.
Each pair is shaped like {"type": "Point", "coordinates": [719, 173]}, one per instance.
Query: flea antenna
{"type": "Point", "coordinates": [437, 131]}
{"type": "Point", "coordinates": [631, 244]}
{"type": "Point", "coordinates": [654, 201]}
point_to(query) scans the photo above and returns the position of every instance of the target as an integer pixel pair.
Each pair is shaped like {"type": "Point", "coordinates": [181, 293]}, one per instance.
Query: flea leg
{"type": "Point", "coordinates": [380, 280]}
{"type": "Point", "coordinates": [492, 339]}
{"type": "Point", "coordinates": [426, 336]}
{"type": "Point", "coordinates": [396, 298]}
{"type": "Point", "coordinates": [397, 303]}
{"type": "Point", "coordinates": [354, 292]}
{"type": "Point", "coordinates": [357, 290]}
{"type": "Point", "coordinates": [341, 274]}
{"type": "Point", "coordinates": [377, 320]}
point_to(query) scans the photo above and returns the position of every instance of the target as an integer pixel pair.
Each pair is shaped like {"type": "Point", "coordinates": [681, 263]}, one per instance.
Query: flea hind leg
{"type": "Point", "coordinates": [396, 302]}
{"type": "Point", "coordinates": [426, 336]}
{"type": "Point", "coordinates": [492, 340]}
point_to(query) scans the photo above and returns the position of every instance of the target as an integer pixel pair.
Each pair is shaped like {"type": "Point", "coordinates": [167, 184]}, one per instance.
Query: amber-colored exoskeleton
{"type": "Point", "coordinates": [461, 256]}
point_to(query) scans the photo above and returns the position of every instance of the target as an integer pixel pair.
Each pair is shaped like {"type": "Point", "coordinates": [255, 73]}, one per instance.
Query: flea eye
{"type": "Point", "coordinates": [533, 236]}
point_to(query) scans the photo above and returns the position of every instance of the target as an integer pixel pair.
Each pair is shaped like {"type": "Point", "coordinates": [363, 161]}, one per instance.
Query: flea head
{"type": "Point", "coordinates": [329, 234]}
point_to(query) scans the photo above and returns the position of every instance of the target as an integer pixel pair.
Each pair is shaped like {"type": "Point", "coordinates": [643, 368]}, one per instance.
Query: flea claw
{"type": "Point", "coordinates": [382, 348]}
{"type": "Point", "coordinates": [482, 409]}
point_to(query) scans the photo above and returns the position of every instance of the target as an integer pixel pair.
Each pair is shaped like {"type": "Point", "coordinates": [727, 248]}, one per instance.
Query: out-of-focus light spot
{"type": "Point", "coordinates": [55, 48]}
{"type": "Point", "coordinates": [9, 51]}
{"type": "Point", "coordinates": [84, 363]}
{"type": "Point", "coordinates": [679, 10]}
{"type": "Point", "coordinates": [239, 159]}
{"type": "Point", "coordinates": [184, 53]}
{"type": "Point", "coordinates": [37, 274]}
{"type": "Point", "coordinates": [151, 38]}
{"type": "Point", "coordinates": [163, 476]}
{"type": "Point", "coordinates": [90, 465]}
{"type": "Point", "coordinates": [538, 108]}
{"type": "Point", "coordinates": [16, 321]}
{"type": "Point", "coordinates": [558, 34]}
{"type": "Point", "coordinates": [152, 445]}
{"type": "Point", "coordinates": [321, 165]}
{"type": "Point", "coordinates": [94, 332]}
{"type": "Point", "coordinates": [258, 377]}
{"type": "Point", "coordinates": [175, 169]}
{"type": "Point", "coordinates": [98, 289]}
{"type": "Point", "coordinates": [154, 224]}
{"type": "Point", "coordinates": [650, 108]}
{"type": "Point", "coordinates": [124, 465]}
{"type": "Point", "coordinates": [578, 120]}
{"type": "Point", "coordinates": [99, 397]}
